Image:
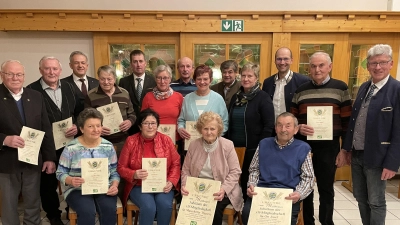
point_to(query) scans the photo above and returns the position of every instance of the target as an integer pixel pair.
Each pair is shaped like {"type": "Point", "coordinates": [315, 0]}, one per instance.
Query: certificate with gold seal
{"type": "Point", "coordinates": [198, 207]}
{"type": "Point", "coordinates": [112, 117]}
{"type": "Point", "coordinates": [157, 174]}
{"type": "Point", "coordinates": [194, 134]}
{"type": "Point", "coordinates": [269, 206]}
{"type": "Point", "coordinates": [95, 174]}
{"type": "Point", "coordinates": [321, 119]}
{"type": "Point", "coordinates": [33, 140]}
{"type": "Point", "coordinates": [169, 130]}
{"type": "Point", "coordinates": [59, 129]}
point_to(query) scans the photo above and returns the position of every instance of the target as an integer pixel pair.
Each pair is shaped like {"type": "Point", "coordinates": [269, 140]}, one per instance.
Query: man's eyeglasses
{"type": "Point", "coordinates": [11, 75]}
{"type": "Point", "coordinates": [149, 124]}
{"type": "Point", "coordinates": [381, 64]}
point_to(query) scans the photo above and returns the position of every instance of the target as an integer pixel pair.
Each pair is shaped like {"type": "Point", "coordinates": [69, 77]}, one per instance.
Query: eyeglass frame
{"type": "Point", "coordinates": [163, 78]}
{"type": "Point", "coordinates": [149, 124]}
{"type": "Point", "coordinates": [381, 64]}
{"type": "Point", "coordinates": [11, 75]}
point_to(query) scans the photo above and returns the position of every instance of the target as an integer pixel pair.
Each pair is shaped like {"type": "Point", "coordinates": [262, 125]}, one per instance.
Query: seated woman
{"type": "Point", "coordinates": [149, 144]}
{"type": "Point", "coordinates": [89, 145]}
{"type": "Point", "coordinates": [214, 157]}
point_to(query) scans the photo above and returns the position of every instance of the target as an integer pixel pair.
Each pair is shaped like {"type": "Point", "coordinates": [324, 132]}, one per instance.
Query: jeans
{"type": "Point", "coordinates": [247, 207]}
{"type": "Point", "coordinates": [369, 190]}
{"type": "Point", "coordinates": [86, 206]}
{"type": "Point", "coordinates": [150, 203]}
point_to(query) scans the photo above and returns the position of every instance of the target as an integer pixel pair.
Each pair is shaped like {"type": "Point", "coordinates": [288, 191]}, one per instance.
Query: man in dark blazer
{"type": "Point", "coordinates": [138, 83]}
{"type": "Point", "coordinates": [82, 83]}
{"type": "Point", "coordinates": [21, 107]}
{"type": "Point", "coordinates": [60, 101]}
{"type": "Point", "coordinates": [373, 136]}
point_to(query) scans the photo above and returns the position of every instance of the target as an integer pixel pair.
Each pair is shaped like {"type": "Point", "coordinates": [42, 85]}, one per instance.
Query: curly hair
{"type": "Point", "coordinates": [207, 117]}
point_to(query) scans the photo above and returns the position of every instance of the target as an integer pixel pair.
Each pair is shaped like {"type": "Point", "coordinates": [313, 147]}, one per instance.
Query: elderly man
{"type": "Point", "coordinates": [374, 136]}
{"type": "Point", "coordinates": [185, 84]}
{"type": "Point", "coordinates": [281, 86]}
{"type": "Point", "coordinates": [21, 107]}
{"type": "Point", "coordinates": [60, 102]}
{"type": "Point", "coordinates": [322, 91]}
{"type": "Point", "coordinates": [277, 157]}
{"type": "Point", "coordinates": [229, 85]}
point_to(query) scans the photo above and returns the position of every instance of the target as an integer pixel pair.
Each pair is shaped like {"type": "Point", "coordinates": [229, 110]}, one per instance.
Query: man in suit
{"type": "Point", "coordinates": [21, 107]}
{"type": "Point", "coordinates": [372, 142]}
{"type": "Point", "coordinates": [138, 83]}
{"type": "Point", "coordinates": [60, 102]}
{"type": "Point", "coordinates": [185, 84]}
{"type": "Point", "coordinates": [282, 85]}
{"type": "Point", "coordinates": [229, 85]}
{"type": "Point", "coordinates": [82, 83]}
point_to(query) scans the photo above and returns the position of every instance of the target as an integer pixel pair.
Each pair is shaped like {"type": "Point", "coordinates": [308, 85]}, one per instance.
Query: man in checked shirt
{"type": "Point", "coordinates": [282, 162]}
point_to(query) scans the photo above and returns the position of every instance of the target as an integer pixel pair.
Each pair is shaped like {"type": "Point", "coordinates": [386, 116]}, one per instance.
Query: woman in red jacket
{"type": "Point", "coordinates": [149, 144]}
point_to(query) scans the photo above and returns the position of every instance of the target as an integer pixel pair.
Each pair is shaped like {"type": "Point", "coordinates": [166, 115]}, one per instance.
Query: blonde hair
{"type": "Point", "coordinates": [207, 117]}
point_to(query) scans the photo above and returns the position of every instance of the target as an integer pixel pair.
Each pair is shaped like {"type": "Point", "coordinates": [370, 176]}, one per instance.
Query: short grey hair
{"type": "Point", "coordinates": [380, 49]}
{"type": "Point", "coordinates": [253, 67]}
{"type": "Point", "coordinates": [88, 113]}
{"type": "Point", "coordinates": [44, 58]}
{"type": "Point", "coordinates": [108, 69]}
{"type": "Point", "coordinates": [326, 55]}
{"type": "Point", "coordinates": [161, 68]}
{"type": "Point", "coordinates": [77, 53]}
{"type": "Point", "coordinates": [286, 114]}
{"type": "Point", "coordinates": [11, 61]}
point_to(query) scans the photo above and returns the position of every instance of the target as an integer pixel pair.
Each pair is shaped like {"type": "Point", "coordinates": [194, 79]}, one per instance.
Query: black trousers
{"type": "Point", "coordinates": [219, 210]}
{"type": "Point", "coordinates": [248, 157]}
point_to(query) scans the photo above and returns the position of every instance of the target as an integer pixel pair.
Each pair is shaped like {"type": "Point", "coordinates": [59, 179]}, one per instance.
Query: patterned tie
{"type": "Point", "coordinates": [83, 87]}
{"type": "Point", "coordinates": [139, 88]}
{"type": "Point", "coordinates": [370, 93]}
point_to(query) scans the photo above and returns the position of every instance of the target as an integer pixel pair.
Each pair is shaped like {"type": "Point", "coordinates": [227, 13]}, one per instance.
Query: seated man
{"type": "Point", "coordinates": [278, 156]}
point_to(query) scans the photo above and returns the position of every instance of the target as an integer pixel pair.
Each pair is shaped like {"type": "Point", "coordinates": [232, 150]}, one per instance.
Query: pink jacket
{"type": "Point", "coordinates": [225, 167]}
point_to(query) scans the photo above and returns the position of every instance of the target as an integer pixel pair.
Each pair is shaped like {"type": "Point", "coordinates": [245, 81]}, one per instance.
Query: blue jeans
{"type": "Point", "coordinates": [85, 207]}
{"type": "Point", "coordinates": [369, 190]}
{"type": "Point", "coordinates": [150, 203]}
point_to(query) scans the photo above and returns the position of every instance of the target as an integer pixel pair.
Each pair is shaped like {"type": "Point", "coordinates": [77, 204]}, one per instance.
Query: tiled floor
{"type": "Point", "coordinates": [346, 209]}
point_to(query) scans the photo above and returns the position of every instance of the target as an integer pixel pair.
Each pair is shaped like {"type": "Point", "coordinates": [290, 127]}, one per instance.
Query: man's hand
{"type": "Point", "coordinates": [306, 130]}
{"type": "Point", "coordinates": [183, 133]}
{"type": "Point", "coordinates": [295, 197]}
{"type": "Point", "coordinates": [387, 174]}
{"type": "Point", "coordinates": [105, 131]}
{"type": "Point", "coordinates": [250, 191]}
{"type": "Point", "coordinates": [342, 158]}
{"type": "Point", "coordinates": [219, 195]}
{"type": "Point", "coordinates": [49, 167]}
{"type": "Point", "coordinates": [168, 187]}
{"type": "Point", "coordinates": [125, 125]}
{"type": "Point", "coordinates": [14, 141]}
{"type": "Point", "coordinates": [72, 131]}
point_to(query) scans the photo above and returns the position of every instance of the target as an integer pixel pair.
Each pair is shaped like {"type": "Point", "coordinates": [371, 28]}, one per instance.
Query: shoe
{"type": "Point", "coordinates": [56, 221]}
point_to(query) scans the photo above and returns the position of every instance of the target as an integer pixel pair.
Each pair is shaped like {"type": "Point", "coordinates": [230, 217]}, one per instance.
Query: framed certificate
{"type": "Point", "coordinates": [112, 117]}
{"type": "Point", "coordinates": [169, 130]}
{"type": "Point", "coordinates": [95, 174]}
{"type": "Point", "coordinates": [194, 134]}
{"type": "Point", "coordinates": [269, 206]}
{"type": "Point", "coordinates": [59, 129]}
{"type": "Point", "coordinates": [198, 207]}
{"type": "Point", "coordinates": [321, 119]}
{"type": "Point", "coordinates": [157, 174]}
{"type": "Point", "coordinates": [33, 140]}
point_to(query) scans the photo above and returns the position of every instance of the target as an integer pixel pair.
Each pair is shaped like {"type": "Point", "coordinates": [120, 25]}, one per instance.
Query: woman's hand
{"type": "Point", "coordinates": [105, 131]}
{"type": "Point", "coordinates": [75, 181]}
{"type": "Point", "coordinates": [184, 191]}
{"type": "Point", "coordinates": [219, 195]}
{"type": "Point", "coordinates": [113, 190]}
{"type": "Point", "coordinates": [183, 133]}
{"type": "Point", "coordinates": [168, 187]}
{"type": "Point", "coordinates": [140, 174]}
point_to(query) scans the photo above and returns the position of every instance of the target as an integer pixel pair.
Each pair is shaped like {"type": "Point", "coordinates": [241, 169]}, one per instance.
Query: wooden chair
{"type": "Point", "coordinates": [73, 216]}
{"type": "Point", "coordinates": [131, 207]}
{"type": "Point", "coordinates": [300, 220]}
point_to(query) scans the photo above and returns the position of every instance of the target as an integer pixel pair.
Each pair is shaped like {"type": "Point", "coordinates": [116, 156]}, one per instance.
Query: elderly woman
{"type": "Point", "coordinates": [149, 144]}
{"type": "Point", "coordinates": [106, 93]}
{"type": "Point", "coordinates": [89, 145]}
{"type": "Point", "coordinates": [201, 100]}
{"type": "Point", "coordinates": [214, 157]}
{"type": "Point", "coordinates": [251, 117]}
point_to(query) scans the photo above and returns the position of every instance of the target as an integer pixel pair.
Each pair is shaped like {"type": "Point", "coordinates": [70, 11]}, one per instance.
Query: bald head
{"type": "Point", "coordinates": [185, 68]}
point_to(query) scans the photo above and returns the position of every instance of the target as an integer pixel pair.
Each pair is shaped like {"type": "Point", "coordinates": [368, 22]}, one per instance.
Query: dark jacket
{"type": "Point", "coordinates": [219, 88]}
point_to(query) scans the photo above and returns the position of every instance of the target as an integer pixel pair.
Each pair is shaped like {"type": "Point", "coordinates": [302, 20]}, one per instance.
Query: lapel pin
{"type": "Point", "coordinates": [28, 99]}
{"type": "Point", "coordinates": [5, 98]}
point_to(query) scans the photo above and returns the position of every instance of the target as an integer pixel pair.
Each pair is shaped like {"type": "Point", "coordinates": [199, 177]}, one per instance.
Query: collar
{"type": "Point", "coordinates": [381, 83]}
{"type": "Point", "coordinates": [180, 81]}
{"type": "Point", "coordinates": [45, 86]}
{"type": "Point", "coordinates": [286, 76]}
{"type": "Point", "coordinates": [231, 85]}
{"type": "Point", "coordinates": [76, 78]}
{"type": "Point", "coordinates": [323, 82]}
{"type": "Point", "coordinates": [116, 91]}
{"type": "Point", "coordinates": [283, 146]}
{"type": "Point", "coordinates": [18, 95]}
{"type": "Point", "coordinates": [141, 77]}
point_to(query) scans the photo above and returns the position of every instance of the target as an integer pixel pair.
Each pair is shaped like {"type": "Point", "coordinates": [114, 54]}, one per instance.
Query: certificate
{"type": "Point", "coordinates": [194, 134]}
{"type": "Point", "coordinates": [157, 174]}
{"type": "Point", "coordinates": [95, 174]}
{"type": "Point", "coordinates": [112, 117]}
{"type": "Point", "coordinates": [269, 206]}
{"type": "Point", "coordinates": [33, 140]}
{"type": "Point", "coordinates": [198, 207]}
{"type": "Point", "coordinates": [59, 129]}
{"type": "Point", "coordinates": [169, 130]}
{"type": "Point", "coordinates": [321, 119]}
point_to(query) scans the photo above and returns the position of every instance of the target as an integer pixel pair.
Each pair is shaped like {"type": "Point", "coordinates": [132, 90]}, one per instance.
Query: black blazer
{"type": "Point", "coordinates": [92, 84]}
{"type": "Point", "coordinates": [11, 124]}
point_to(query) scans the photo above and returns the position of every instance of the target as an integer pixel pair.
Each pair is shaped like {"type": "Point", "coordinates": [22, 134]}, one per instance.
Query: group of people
{"type": "Point", "coordinates": [269, 120]}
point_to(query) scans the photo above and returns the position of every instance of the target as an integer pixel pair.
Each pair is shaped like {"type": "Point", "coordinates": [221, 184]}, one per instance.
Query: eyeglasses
{"type": "Point", "coordinates": [163, 78]}
{"type": "Point", "coordinates": [11, 75]}
{"type": "Point", "coordinates": [381, 64]}
{"type": "Point", "coordinates": [149, 124]}
{"type": "Point", "coordinates": [282, 59]}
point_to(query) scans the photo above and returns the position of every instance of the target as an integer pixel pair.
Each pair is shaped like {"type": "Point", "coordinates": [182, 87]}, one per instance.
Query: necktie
{"type": "Point", "coordinates": [370, 93]}
{"type": "Point", "coordinates": [83, 87]}
{"type": "Point", "coordinates": [139, 88]}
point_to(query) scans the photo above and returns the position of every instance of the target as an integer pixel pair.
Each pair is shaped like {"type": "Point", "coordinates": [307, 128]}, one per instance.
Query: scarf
{"type": "Point", "coordinates": [243, 98]}
{"type": "Point", "coordinates": [161, 95]}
